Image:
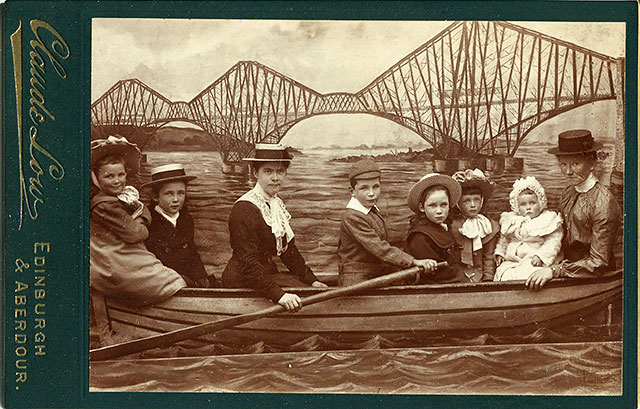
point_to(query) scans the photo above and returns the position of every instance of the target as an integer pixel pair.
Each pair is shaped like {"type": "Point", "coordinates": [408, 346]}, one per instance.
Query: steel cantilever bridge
{"type": "Point", "coordinates": [476, 88]}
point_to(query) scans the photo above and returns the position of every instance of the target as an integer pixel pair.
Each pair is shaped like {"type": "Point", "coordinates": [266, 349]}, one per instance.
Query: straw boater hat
{"type": "Point", "coordinates": [168, 173]}
{"type": "Point", "coordinates": [364, 169]}
{"type": "Point", "coordinates": [475, 178]}
{"type": "Point", "coordinates": [429, 180]}
{"type": "Point", "coordinates": [575, 142]}
{"type": "Point", "coordinates": [116, 145]}
{"type": "Point", "coordinates": [266, 152]}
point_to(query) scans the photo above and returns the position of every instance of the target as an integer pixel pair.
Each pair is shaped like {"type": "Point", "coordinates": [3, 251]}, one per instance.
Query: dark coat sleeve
{"type": "Point", "coordinates": [488, 258]}
{"type": "Point", "coordinates": [422, 247]}
{"type": "Point", "coordinates": [296, 264]}
{"type": "Point", "coordinates": [194, 260]}
{"type": "Point", "coordinates": [244, 225]}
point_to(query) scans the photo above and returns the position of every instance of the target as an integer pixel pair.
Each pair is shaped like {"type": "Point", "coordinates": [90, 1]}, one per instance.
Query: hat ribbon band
{"type": "Point", "coordinates": [575, 144]}
{"type": "Point", "coordinates": [272, 154]}
{"type": "Point", "coordinates": [168, 174]}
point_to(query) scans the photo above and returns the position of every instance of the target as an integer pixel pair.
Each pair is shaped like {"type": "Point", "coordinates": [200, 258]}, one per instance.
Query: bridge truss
{"type": "Point", "coordinates": [476, 88]}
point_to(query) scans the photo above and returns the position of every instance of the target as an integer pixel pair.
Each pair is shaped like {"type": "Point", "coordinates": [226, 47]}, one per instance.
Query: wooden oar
{"type": "Point", "coordinates": [170, 338]}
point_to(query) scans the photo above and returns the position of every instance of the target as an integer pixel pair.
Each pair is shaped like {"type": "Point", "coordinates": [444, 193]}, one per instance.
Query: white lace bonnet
{"type": "Point", "coordinates": [530, 183]}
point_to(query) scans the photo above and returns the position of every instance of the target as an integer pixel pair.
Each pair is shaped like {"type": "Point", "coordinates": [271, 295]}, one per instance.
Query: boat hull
{"type": "Point", "coordinates": [401, 312]}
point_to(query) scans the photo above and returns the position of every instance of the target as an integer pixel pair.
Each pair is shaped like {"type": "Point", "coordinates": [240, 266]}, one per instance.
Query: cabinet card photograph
{"type": "Point", "coordinates": [370, 207]}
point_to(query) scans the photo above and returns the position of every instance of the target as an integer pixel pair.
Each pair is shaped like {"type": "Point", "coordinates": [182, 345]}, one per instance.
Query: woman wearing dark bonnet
{"type": "Point", "coordinates": [589, 210]}
{"type": "Point", "coordinates": [259, 229]}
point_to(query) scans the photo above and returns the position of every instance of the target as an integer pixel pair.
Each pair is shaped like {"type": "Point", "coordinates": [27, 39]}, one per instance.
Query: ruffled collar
{"type": "Point", "coordinates": [274, 213]}
{"type": "Point", "coordinates": [476, 228]}
{"type": "Point", "coordinates": [545, 223]}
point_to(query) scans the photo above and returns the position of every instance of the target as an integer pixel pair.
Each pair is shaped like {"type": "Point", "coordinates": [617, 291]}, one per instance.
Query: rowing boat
{"type": "Point", "coordinates": [398, 312]}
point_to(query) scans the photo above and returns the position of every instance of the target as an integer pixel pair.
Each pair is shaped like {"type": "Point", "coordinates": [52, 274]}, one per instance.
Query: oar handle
{"type": "Point", "coordinates": [377, 282]}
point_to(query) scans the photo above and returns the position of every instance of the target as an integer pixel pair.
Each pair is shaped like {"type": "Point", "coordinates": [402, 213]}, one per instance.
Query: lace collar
{"type": "Point", "coordinates": [274, 213]}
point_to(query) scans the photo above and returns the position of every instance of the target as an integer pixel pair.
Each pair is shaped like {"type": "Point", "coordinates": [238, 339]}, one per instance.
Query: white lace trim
{"type": "Point", "coordinates": [546, 223]}
{"type": "Point", "coordinates": [274, 213]}
{"type": "Point", "coordinates": [530, 183]}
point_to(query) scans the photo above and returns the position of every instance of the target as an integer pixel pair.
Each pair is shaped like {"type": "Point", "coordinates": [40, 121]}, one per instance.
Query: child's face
{"type": "Point", "coordinates": [171, 197]}
{"type": "Point", "coordinates": [528, 205]}
{"type": "Point", "coordinates": [470, 204]}
{"type": "Point", "coordinates": [112, 178]}
{"type": "Point", "coordinates": [270, 177]}
{"type": "Point", "coordinates": [366, 191]}
{"type": "Point", "coordinates": [436, 206]}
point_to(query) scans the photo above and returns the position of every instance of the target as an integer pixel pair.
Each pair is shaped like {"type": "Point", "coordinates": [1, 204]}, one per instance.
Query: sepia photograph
{"type": "Point", "coordinates": [356, 206]}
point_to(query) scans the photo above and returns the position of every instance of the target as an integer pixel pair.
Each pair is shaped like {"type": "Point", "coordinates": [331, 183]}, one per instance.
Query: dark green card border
{"type": "Point", "coordinates": [68, 387]}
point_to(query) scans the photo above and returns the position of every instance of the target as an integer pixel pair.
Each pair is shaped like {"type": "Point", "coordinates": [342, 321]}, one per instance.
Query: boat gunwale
{"type": "Point", "coordinates": [486, 286]}
{"type": "Point", "coordinates": [404, 312]}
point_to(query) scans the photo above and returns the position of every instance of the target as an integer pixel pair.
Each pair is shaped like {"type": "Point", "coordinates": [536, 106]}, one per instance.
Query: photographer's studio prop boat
{"type": "Point", "coordinates": [398, 312]}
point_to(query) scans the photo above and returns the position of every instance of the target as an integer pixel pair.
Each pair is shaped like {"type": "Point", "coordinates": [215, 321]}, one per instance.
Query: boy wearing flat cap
{"type": "Point", "coordinates": [363, 248]}
{"type": "Point", "coordinates": [171, 231]}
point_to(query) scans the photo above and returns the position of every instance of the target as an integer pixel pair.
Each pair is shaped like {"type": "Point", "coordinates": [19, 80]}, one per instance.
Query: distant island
{"type": "Point", "coordinates": [171, 138]}
{"type": "Point", "coordinates": [394, 155]}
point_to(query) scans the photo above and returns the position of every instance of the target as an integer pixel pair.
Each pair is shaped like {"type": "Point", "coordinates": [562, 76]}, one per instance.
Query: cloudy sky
{"type": "Point", "coordinates": [179, 58]}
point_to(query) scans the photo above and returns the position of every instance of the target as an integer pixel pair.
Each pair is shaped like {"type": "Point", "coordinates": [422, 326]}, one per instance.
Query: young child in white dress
{"type": "Point", "coordinates": [530, 234]}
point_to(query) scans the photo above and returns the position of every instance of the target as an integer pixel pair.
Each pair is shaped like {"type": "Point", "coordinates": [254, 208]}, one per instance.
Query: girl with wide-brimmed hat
{"type": "Point", "coordinates": [590, 213]}
{"type": "Point", "coordinates": [121, 266]}
{"type": "Point", "coordinates": [429, 237]}
{"type": "Point", "coordinates": [259, 229]}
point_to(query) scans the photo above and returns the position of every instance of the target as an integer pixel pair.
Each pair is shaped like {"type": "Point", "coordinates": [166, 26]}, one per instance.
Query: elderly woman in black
{"type": "Point", "coordinates": [590, 213]}
{"type": "Point", "coordinates": [259, 230]}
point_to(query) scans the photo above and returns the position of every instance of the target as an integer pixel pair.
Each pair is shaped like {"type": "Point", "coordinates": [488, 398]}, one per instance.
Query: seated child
{"type": "Point", "coordinates": [171, 230]}
{"type": "Point", "coordinates": [475, 234]}
{"type": "Point", "coordinates": [531, 234]}
{"type": "Point", "coordinates": [121, 266]}
{"type": "Point", "coordinates": [363, 248]}
{"type": "Point", "coordinates": [429, 236]}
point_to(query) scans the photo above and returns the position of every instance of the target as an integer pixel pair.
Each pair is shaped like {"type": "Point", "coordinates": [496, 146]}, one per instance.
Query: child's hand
{"type": "Point", "coordinates": [427, 264]}
{"type": "Point", "coordinates": [138, 212]}
{"type": "Point", "coordinates": [535, 261]}
{"type": "Point", "coordinates": [319, 284]}
{"type": "Point", "coordinates": [499, 260]}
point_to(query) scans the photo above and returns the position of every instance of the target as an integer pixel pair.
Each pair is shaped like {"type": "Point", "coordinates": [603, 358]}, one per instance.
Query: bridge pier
{"type": "Point", "coordinates": [495, 164]}
{"type": "Point", "coordinates": [235, 168]}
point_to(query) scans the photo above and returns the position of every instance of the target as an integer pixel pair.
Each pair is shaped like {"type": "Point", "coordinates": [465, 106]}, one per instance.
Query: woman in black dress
{"type": "Point", "coordinates": [259, 230]}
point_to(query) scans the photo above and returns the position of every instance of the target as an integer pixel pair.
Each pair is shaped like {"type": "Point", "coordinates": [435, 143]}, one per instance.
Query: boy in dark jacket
{"type": "Point", "coordinates": [171, 230]}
